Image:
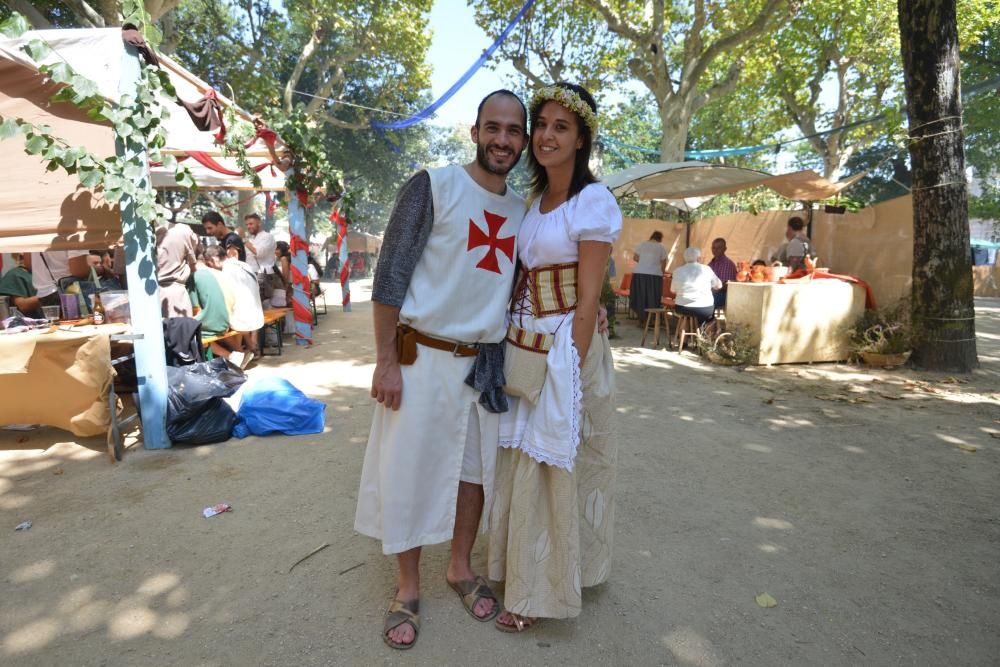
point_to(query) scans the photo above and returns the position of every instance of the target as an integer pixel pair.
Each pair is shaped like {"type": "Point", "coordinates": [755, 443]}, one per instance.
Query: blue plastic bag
{"type": "Point", "coordinates": [274, 405]}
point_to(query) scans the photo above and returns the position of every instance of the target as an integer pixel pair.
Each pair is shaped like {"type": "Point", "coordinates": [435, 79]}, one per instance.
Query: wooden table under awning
{"type": "Point", "coordinates": [58, 378]}
{"type": "Point", "coordinates": [796, 322]}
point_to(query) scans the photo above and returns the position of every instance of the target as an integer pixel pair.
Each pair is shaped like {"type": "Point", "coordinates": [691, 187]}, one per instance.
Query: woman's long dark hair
{"type": "Point", "coordinates": [582, 176]}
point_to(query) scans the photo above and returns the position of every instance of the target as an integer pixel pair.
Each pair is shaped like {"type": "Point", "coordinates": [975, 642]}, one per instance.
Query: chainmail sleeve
{"type": "Point", "coordinates": [404, 240]}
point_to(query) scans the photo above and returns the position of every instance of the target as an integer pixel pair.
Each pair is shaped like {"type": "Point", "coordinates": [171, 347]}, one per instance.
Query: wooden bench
{"type": "Point", "coordinates": [272, 319]}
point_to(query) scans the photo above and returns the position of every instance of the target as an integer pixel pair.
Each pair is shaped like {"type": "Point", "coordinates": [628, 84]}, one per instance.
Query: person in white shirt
{"type": "Point", "coordinates": [49, 267]}
{"type": "Point", "coordinates": [646, 289]}
{"type": "Point", "coordinates": [260, 245]}
{"type": "Point", "coordinates": [248, 315]}
{"type": "Point", "coordinates": [694, 284]}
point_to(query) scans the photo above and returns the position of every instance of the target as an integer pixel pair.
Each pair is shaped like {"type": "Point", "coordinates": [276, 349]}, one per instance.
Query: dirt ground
{"type": "Point", "coordinates": [866, 503]}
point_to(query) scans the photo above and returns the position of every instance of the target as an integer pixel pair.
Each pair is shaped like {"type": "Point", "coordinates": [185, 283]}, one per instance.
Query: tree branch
{"type": "Point", "coordinates": [615, 23]}
{"type": "Point", "coordinates": [520, 63]}
{"type": "Point", "coordinates": [160, 8]}
{"type": "Point", "coordinates": [720, 88]}
{"type": "Point", "coordinates": [86, 15]}
{"type": "Point", "coordinates": [34, 16]}
{"type": "Point", "coordinates": [308, 49]}
{"type": "Point", "coordinates": [691, 74]}
{"type": "Point", "coordinates": [336, 122]}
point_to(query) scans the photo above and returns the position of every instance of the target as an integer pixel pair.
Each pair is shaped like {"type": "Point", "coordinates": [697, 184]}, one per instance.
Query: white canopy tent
{"type": "Point", "coordinates": [688, 184]}
{"type": "Point", "coordinates": [49, 210]}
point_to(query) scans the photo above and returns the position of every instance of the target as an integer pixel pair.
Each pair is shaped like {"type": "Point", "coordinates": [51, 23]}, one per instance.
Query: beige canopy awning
{"type": "Point", "coordinates": [687, 184]}
{"type": "Point", "coordinates": [41, 210]}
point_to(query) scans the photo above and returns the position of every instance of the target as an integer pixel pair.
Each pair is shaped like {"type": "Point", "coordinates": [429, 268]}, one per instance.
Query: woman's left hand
{"type": "Point", "coordinates": [602, 320]}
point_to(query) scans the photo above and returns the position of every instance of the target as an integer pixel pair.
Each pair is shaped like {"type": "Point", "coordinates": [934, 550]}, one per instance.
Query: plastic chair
{"type": "Point", "coordinates": [667, 298]}
{"type": "Point", "coordinates": [622, 292]}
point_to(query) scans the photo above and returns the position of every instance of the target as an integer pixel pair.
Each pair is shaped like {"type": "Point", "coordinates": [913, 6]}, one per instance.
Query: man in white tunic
{"type": "Point", "coordinates": [442, 288]}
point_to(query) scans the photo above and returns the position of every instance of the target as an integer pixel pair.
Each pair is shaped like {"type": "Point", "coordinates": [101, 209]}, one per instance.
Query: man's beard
{"type": "Point", "coordinates": [484, 161]}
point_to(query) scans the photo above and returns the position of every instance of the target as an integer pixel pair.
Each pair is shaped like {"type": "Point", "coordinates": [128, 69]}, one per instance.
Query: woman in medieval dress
{"type": "Point", "coordinates": [553, 511]}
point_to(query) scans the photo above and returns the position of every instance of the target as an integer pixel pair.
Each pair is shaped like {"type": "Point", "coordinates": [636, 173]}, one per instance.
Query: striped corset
{"type": "Point", "coordinates": [551, 289]}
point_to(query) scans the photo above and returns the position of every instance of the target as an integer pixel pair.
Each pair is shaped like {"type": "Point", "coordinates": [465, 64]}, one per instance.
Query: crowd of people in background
{"type": "Point", "coordinates": [697, 289]}
{"type": "Point", "coordinates": [224, 280]}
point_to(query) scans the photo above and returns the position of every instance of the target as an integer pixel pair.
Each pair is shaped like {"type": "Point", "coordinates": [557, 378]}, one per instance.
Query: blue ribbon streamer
{"type": "Point", "coordinates": [426, 113]}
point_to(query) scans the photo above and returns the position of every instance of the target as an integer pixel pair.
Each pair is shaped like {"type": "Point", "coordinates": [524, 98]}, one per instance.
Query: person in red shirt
{"type": "Point", "coordinates": [724, 268]}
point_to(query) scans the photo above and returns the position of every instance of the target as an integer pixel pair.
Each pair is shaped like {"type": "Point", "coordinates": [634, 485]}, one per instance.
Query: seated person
{"type": "Point", "coordinates": [694, 284]}
{"type": "Point", "coordinates": [52, 266]}
{"type": "Point", "coordinates": [16, 284]}
{"type": "Point", "coordinates": [248, 313]}
{"type": "Point", "coordinates": [212, 297]}
{"type": "Point", "coordinates": [759, 262]}
{"type": "Point", "coordinates": [313, 270]}
{"type": "Point", "coordinates": [724, 268]}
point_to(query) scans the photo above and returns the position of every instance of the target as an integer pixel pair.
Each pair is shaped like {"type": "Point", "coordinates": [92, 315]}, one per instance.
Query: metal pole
{"type": "Point", "coordinates": [143, 288]}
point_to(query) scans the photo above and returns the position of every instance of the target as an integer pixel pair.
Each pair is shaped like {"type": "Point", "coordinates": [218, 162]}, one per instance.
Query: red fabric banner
{"type": "Point", "coordinates": [802, 276]}
{"type": "Point", "coordinates": [206, 160]}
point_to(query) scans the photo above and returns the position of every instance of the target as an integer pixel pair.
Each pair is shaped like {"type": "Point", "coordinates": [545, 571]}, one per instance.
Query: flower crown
{"type": "Point", "coordinates": [568, 99]}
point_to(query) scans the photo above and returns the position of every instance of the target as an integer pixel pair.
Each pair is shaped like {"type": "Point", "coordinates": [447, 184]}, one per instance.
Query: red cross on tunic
{"type": "Point", "coordinates": [479, 238]}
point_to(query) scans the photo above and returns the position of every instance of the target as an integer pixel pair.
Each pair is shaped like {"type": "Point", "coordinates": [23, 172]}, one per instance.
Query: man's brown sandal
{"type": "Point", "coordinates": [400, 612]}
{"type": "Point", "coordinates": [471, 591]}
{"type": "Point", "coordinates": [519, 623]}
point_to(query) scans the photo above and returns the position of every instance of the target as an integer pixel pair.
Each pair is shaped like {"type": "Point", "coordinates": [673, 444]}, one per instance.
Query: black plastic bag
{"type": "Point", "coordinates": [213, 422]}
{"type": "Point", "coordinates": [193, 387]}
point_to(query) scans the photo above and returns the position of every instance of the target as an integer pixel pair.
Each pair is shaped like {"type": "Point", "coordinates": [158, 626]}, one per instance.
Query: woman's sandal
{"type": "Point", "coordinates": [519, 623]}
{"type": "Point", "coordinates": [471, 591]}
{"type": "Point", "coordinates": [400, 612]}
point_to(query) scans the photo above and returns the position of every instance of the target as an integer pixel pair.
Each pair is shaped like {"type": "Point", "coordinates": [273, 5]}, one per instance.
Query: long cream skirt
{"type": "Point", "coordinates": [551, 530]}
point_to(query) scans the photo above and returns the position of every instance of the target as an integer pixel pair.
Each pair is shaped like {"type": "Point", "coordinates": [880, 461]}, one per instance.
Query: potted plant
{"type": "Point", "coordinates": [883, 337]}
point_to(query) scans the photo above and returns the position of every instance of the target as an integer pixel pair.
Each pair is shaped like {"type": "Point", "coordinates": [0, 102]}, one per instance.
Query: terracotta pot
{"type": "Point", "coordinates": [742, 272]}
{"type": "Point", "coordinates": [884, 360]}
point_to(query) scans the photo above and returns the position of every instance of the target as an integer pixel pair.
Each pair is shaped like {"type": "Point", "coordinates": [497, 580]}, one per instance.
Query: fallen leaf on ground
{"type": "Point", "coordinates": [768, 401]}
{"type": "Point", "coordinates": [954, 380]}
{"type": "Point", "coordinates": [765, 600]}
{"type": "Point", "coordinates": [995, 435]}
{"type": "Point", "coordinates": [892, 397]}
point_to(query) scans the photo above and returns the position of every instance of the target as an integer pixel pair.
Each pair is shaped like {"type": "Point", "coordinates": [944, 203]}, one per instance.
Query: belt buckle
{"type": "Point", "coordinates": [455, 352]}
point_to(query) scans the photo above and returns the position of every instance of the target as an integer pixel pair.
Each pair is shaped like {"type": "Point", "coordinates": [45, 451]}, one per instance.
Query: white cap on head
{"type": "Point", "coordinates": [692, 254]}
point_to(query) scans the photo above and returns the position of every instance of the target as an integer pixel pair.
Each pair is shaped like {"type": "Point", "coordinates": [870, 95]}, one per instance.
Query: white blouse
{"type": "Point", "coordinates": [551, 238]}
{"type": "Point", "coordinates": [693, 283]}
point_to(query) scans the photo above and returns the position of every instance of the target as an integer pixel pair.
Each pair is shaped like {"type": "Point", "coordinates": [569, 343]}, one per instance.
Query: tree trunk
{"type": "Point", "coordinates": [245, 206]}
{"type": "Point", "coordinates": [943, 308]}
{"type": "Point", "coordinates": [675, 132]}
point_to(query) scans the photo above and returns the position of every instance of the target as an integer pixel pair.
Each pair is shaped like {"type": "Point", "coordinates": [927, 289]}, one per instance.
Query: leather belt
{"type": "Point", "coordinates": [457, 349]}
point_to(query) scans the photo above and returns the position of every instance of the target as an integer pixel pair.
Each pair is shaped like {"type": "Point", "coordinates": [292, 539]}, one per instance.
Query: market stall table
{"type": "Point", "coordinates": [796, 322]}
{"type": "Point", "coordinates": [58, 377]}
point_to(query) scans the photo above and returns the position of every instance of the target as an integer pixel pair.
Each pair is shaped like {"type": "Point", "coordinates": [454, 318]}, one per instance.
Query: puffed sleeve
{"type": "Point", "coordinates": [596, 216]}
